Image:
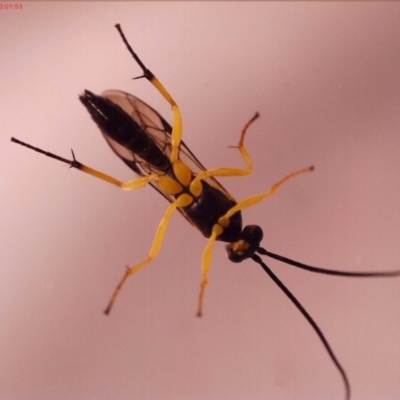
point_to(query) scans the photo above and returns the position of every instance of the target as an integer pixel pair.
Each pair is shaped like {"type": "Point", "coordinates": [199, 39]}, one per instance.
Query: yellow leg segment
{"type": "Point", "coordinates": [182, 201]}
{"type": "Point", "coordinates": [129, 185]}
{"type": "Point", "coordinates": [250, 201]}
{"type": "Point", "coordinates": [224, 222]}
{"type": "Point", "coordinates": [176, 135]}
{"type": "Point", "coordinates": [216, 231]}
{"type": "Point", "coordinates": [196, 187]}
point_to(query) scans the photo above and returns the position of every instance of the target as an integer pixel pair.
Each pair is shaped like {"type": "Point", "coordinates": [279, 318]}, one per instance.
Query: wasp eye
{"type": "Point", "coordinates": [252, 234]}
{"type": "Point", "coordinates": [246, 246]}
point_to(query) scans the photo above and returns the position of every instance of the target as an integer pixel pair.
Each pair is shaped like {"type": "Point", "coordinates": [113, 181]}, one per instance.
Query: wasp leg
{"type": "Point", "coordinates": [224, 221]}
{"type": "Point", "coordinates": [196, 186]}
{"type": "Point", "coordinates": [176, 135]}
{"type": "Point", "coordinates": [134, 184]}
{"type": "Point", "coordinates": [129, 185]}
{"type": "Point", "coordinates": [206, 264]}
{"type": "Point", "coordinates": [250, 201]}
{"type": "Point", "coordinates": [182, 201]}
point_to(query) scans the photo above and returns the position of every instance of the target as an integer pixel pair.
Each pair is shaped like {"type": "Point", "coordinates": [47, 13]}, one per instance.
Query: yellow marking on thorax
{"type": "Point", "coordinates": [182, 172]}
{"type": "Point", "coordinates": [169, 185]}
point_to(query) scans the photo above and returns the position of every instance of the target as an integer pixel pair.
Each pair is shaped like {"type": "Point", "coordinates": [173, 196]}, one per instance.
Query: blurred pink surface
{"type": "Point", "coordinates": [325, 79]}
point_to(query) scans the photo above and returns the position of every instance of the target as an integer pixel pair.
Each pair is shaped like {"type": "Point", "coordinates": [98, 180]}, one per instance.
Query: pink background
{"type": "Point", "coordinates": [326, 81]}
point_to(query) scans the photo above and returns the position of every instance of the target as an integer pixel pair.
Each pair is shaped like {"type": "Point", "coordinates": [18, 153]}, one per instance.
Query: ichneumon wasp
{"type": "Point", "coordinates": [154, 150]}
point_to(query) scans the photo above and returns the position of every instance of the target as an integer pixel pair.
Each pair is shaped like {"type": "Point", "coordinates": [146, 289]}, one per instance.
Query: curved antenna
{"type": "Point", "coordinates": [384, 274]}
{"type": "Point", "coordinates": [308, 317]}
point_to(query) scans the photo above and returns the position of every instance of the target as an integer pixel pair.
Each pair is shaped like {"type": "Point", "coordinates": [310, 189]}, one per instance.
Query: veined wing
{"type": "Point", "coordinates": [155, 126]}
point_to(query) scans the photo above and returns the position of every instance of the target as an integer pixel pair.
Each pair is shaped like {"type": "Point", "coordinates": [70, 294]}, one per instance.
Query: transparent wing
{"type": "Point", "coordinates": [159, 130]}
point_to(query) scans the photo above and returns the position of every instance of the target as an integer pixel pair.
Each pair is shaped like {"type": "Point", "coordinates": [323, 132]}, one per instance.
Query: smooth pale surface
{"type": "Point", "coordinates": [325, 79]}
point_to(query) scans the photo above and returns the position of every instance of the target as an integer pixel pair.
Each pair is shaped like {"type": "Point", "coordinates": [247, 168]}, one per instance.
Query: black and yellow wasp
{"type": "Point", "coordinates": [154, 150]}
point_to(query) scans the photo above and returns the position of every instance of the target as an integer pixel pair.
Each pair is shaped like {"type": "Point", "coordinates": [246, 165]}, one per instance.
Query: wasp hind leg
{"type": "Point", "coordinates": [128, 185]}
{"type": "Point", "coordinates": [176, 135]}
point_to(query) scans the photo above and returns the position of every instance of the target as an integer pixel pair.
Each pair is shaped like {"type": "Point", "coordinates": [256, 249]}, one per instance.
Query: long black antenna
{"type": "Point", "coordinates": [350, 274]}
{"type": "Point", "coordinates": [308, 317]}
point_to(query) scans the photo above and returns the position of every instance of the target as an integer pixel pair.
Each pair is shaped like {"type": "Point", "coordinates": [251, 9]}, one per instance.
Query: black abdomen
{"type": "Point", "coordinates": [122, 128]}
